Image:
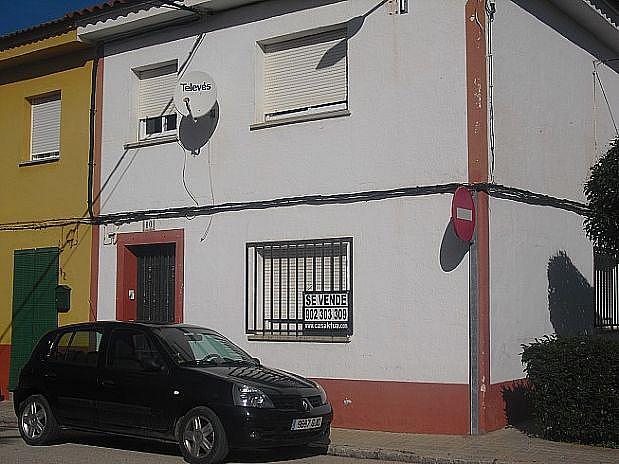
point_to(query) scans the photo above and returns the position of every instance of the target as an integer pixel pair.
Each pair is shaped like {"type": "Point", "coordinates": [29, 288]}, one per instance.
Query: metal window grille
{"type": "Point", "coordinates": [606, 282]}
{"type": "Point", "coordinates": [278, 273]}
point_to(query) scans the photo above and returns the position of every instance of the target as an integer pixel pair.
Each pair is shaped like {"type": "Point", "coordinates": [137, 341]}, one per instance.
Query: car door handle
{"type": "Point", "coordinates": [50, 375]}
{"type": "Point", "coordinates": [107, 383]}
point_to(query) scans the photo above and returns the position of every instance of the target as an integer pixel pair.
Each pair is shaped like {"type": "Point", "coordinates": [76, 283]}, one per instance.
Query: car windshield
{"type": "Point", "coordinates": [198, 346]}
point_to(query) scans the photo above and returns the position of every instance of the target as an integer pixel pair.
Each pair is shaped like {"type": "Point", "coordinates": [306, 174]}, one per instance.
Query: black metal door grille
{"type": "Point", "coordinates": [606, 282]}
{"type": "Point", "coordinates": [156, 276]}
{"type": "Point", "coordinates": [277, 274]}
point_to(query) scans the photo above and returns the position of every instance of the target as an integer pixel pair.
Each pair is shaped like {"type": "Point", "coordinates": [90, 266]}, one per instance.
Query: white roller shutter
{"type": "Point", "coordinates": [45, 137]}
{"type": "Point", "coordinates": [157, 91]}
{"type": "Point", "coordinates": [305, 73]}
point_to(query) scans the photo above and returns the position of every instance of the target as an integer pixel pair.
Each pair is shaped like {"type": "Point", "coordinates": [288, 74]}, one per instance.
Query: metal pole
{"type": "Point", "coordinates": [473, 333]}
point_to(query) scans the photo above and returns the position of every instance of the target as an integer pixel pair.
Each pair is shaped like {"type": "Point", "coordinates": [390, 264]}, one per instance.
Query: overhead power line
{"type": "Point", "coordinates": [126, 217]}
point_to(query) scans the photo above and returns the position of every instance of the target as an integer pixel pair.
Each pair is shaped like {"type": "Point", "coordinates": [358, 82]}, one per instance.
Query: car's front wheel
{"type": "Point", "coordinates": [202, 437]}
{"type": "Point", "coordinates": [37, 424]}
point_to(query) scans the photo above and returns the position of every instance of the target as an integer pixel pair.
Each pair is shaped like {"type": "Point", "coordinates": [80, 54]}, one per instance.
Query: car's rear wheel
{"type": "Point", "coordinates": [37, 424]}
{"type": "Point", "coordinates": [202, 437]}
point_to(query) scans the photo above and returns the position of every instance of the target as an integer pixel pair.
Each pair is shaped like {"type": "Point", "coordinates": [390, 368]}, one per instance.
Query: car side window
{"type": "Point", "coordinates": [131, 350]}
{"type": "Point", "coordinates": [80, 347]}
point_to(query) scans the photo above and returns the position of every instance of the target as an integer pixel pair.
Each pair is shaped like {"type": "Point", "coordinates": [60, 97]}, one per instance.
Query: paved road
{"type": "Point", "coordinates": [81, 449]}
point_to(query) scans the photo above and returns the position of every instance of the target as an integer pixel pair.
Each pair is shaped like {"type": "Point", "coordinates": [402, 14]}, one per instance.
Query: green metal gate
{"type": "Point", "coordinates": [35, 277]}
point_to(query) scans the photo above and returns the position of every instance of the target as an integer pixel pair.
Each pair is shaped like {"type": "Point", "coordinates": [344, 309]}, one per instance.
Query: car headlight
{"type": "Point", "coordinates": [323, 394]}
{"type": "Point", "coordinates": [250, 397]}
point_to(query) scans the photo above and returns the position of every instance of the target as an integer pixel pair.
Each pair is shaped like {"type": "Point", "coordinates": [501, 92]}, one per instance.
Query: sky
{"type": "Point", "coordinates": [21, 14]}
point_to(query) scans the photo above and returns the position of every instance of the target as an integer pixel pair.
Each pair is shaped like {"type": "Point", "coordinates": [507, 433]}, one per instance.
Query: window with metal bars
{"type": "Point", "coordinates": [606, 282]}
{"type": "Point", "coordinates": [280, 275]}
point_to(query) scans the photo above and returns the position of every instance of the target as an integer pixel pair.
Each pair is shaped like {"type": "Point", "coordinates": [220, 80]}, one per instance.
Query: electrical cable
{"type": "Point", "coordinates": [490, 11]}
{"type": "Point", "coordinates": [189, 218]}
{"type": "Point", "coordinates": [210, 181]}
{"type": "Point", "coordinates": [184, 183]}
{"type": "Point", "coordinates": [610, 110]}
{"type": "Point", "coordinates": [594, 111]}
{"type": "Point", "coordinates": [158, 4]}
{"type": "Point", "coordinates": [493, 190]}
{"type": "Point", "coordinates": [192, 51]}
{"type": "Point", "coordinates": [172, 5]}
{"type": "Point", "coordinates": [181, 70]}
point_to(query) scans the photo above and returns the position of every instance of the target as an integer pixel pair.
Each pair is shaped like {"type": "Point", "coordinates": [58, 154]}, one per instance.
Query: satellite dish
{"type": "Point", "coordinates": [195, 94]}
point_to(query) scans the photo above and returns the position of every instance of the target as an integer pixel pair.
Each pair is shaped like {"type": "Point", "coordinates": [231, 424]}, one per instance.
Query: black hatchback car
{"type": "Point", "coordinates": [179, 383]}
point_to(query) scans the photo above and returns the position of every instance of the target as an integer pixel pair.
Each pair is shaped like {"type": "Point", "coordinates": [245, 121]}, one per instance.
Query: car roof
{"type": "Point", "coordinates": [147, 324]}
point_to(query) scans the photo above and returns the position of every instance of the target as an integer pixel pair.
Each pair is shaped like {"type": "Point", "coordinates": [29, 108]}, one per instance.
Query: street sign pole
{"type": "Point", "coordinates": [473, 333]}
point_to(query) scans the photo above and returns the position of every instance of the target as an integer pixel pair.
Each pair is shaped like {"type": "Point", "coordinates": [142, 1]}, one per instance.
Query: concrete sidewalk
{"type": "Point", "coordinates": [7, 415]}
{"type": "Point", "coordinates": [508, 445]}
{"type": "Point", "coordinates": [504, 446]}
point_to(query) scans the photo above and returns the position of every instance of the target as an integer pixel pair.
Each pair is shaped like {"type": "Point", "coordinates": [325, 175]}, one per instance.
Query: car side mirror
{"type": "Point", "coordinates": [151, 365]}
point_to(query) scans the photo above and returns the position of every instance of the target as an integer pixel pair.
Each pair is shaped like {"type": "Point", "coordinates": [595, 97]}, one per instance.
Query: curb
{"type": "Point", "coordinates": [399, 456]}
{"type": "Point", "coordinates": [8, 425]}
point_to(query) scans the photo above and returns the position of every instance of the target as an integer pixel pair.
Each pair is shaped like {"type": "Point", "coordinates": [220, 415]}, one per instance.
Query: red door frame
{"type": "Point", "coordinates": [126, 269]}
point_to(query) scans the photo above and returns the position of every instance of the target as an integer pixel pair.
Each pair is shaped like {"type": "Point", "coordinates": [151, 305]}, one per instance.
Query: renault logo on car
{"type": "Point", "coordinates": [306, 405]}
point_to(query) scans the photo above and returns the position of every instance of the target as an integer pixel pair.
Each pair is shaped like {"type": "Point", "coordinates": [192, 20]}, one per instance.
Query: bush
{"type": "Point", "coordinates": [602, 222]}
{"type": "Point", "coordinates": [575, 388]}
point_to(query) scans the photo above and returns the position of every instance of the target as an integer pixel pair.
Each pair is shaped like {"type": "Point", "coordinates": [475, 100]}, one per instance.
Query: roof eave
{"type": "Point", "coordinates": [141, 17]}
{"type": "Point", "coordinates": [598, 17]}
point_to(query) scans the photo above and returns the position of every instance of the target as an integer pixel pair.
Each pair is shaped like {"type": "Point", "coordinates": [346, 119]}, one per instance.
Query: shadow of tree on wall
{"type": "Point", "coordinates": [570, 298]}
{"type": "Point", "coordinates": [571, 306]}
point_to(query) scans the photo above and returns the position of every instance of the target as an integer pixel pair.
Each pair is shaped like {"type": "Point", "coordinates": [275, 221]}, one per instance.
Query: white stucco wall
{"type": "Point", "coordinates": [549, 130]}
{"type": "Point", "coordinates": [410, 317]}
{"type": "Point", "coordinates": [407, 127]}
{"type": "Point", "coordinates": [525, 241]}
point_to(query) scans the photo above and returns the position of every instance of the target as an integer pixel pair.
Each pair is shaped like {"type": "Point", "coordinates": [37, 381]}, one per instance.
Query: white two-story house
{"type": "Point", "coordinates": [307, 215]}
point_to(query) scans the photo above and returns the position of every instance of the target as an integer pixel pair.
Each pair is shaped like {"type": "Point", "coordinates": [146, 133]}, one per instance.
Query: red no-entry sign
{"type": "Point", "coordinates": [463, 214]}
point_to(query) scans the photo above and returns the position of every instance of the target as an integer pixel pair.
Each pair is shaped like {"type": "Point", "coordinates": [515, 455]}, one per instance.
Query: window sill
{"type": "Point", "coordinates": [297, 119]}
{"type": "Point", "coordinates": [293, 338]}
{"type": "Point", "coordinates": [41, 161]}
{"type": "Point", "coordinates": [151, 142]}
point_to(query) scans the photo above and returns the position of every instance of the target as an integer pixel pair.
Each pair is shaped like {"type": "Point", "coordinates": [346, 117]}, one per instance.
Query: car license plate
{"type": "Point", "coordinates": [305, 424]}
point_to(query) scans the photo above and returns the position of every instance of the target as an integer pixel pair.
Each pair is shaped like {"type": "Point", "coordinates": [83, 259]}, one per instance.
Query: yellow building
{"type": "Point", "coordinates": [46, 81]}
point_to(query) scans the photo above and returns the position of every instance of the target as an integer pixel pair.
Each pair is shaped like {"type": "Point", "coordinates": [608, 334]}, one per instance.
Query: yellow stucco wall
{"type": "Point", "coordinates": [58, 189]}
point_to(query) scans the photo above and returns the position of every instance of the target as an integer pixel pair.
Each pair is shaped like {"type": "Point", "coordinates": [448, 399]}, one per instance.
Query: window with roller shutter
{"type": "Point", "coordinates": [306, 75]}
{"type": "Point", "coordinates": [156, 112]}
{"type": "Point", "coordinates": [45, 127]}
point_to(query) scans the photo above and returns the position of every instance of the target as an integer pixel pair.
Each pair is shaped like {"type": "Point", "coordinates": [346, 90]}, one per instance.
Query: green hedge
{"type": "Point", "coordinates": [575, 388]}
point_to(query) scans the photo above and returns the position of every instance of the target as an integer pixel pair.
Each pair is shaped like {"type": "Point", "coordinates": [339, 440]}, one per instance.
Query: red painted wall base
{"type": "Point", "coordinates": [408, 407]}
{"type": "Point", "coordinates": [5, 362]}
{"type": "Point", "coordinates": [506, 404]}
{"type": "Point", "coordinates": [413, 407]}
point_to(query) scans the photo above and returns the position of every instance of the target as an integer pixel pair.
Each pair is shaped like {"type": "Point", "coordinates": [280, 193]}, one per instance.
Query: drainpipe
{"type": "Point", "coordinates": [93, 112]}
